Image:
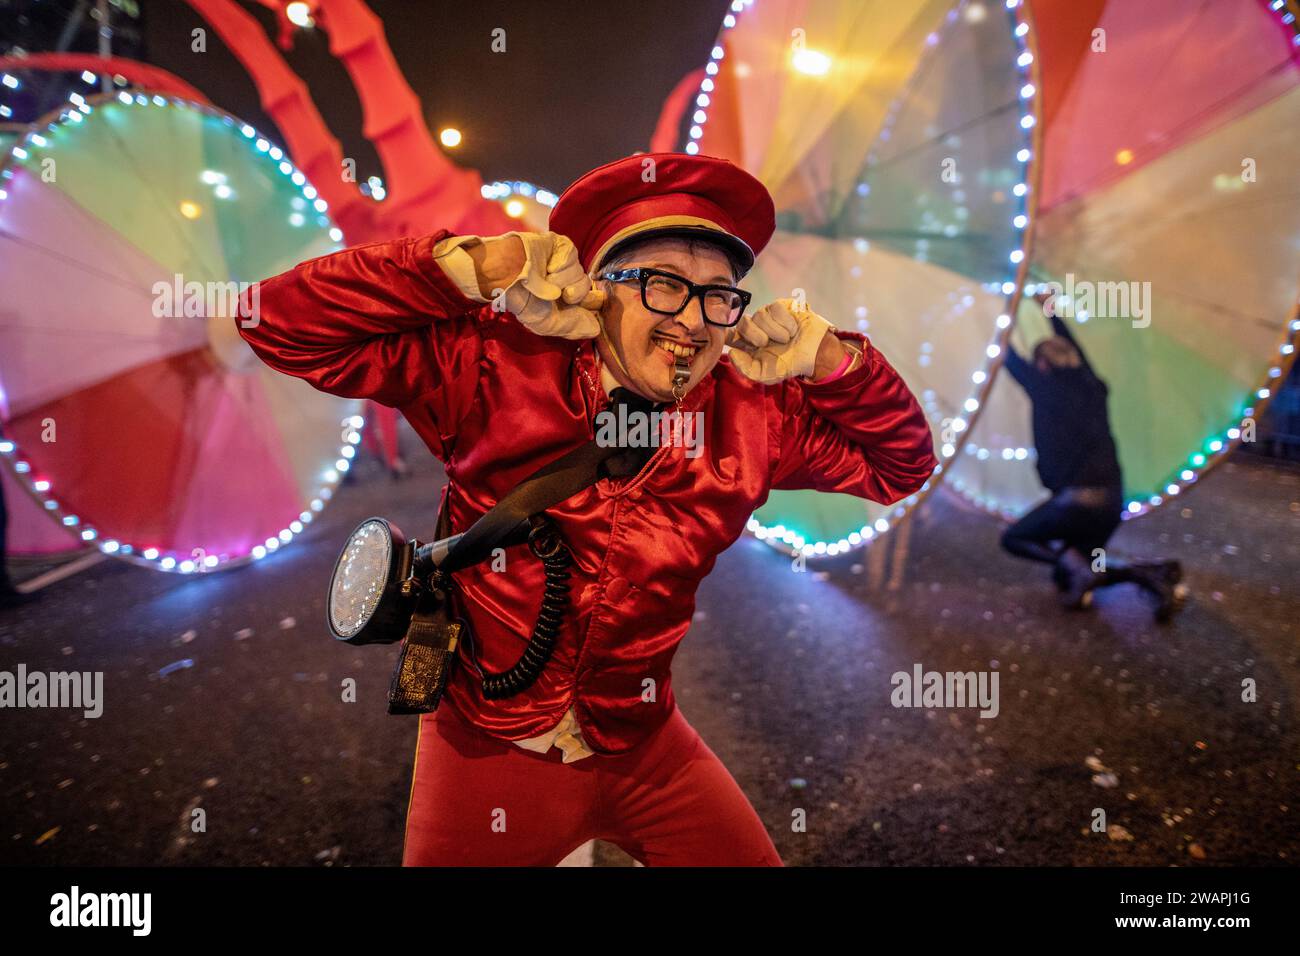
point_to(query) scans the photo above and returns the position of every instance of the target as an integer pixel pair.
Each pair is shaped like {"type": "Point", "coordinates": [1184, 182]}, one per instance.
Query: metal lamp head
{"type": "Point", "coordinates": [367, 602]}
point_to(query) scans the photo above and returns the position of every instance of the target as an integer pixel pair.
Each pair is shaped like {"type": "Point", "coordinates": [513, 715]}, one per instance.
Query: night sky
{"type": "Point", "coordinates": [581, 82]}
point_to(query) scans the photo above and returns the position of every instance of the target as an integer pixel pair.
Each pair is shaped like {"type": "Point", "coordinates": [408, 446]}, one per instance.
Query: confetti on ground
{"type": "Point", "coordinates": [175, 666]}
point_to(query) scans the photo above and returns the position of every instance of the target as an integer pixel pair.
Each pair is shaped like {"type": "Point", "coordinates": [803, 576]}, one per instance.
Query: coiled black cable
{"type": "Point", "coordinates": [544, 541]}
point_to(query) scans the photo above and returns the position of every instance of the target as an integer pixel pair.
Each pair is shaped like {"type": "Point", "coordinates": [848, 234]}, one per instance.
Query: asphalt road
{"type": "Point", "coordinates": [222, 694]}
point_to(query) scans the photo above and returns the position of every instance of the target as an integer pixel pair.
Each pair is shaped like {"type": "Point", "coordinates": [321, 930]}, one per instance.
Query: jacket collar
{"type": "Point", "coordinates": [589, 361]}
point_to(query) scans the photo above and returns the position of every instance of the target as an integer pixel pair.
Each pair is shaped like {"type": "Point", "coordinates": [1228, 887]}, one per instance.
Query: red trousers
{"type": "Point", "coordinates": [477, 800]}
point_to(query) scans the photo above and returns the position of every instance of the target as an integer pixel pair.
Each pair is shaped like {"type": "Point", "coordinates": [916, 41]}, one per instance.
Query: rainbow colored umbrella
{"type": "Point", "coordinates": [896, 139]}
{"type": "Point", "coordinates": [28, 531]}
{"type": "Point", "coordinates": [1169, 221]}
{"type": "Point", "coordinates": [133, 410]}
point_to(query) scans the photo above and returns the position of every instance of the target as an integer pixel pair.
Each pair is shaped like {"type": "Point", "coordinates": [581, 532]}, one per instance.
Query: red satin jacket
{"type": "Point", "coordinates": [493, 401]}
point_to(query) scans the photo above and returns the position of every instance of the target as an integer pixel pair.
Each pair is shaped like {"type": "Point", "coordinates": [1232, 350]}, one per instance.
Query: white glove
{"type": "Point", "coordinates": [553, 295]}
{"type": "Point", "coordinates": [779, 341]}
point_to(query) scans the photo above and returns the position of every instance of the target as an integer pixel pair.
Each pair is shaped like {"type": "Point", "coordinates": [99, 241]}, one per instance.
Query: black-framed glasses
{"type": "Point", "coordinates": [668, 294]}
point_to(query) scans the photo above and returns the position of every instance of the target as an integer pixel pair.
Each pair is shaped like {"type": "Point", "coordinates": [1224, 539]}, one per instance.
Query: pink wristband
{"type": "Point", "coordinates": [843, 367]}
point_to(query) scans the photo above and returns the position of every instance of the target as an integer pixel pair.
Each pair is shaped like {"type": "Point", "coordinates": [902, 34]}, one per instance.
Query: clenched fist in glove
{"type": "Point", "coordinates": [534, 275]}
{"type": "Point", "coordinates": [779, 341]}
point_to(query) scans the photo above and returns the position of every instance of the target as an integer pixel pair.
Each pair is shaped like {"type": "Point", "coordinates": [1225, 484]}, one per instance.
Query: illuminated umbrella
{"type": "Point", "coordinates": [29, 531]}
{"type": "Point", "coordinates": [1169, 208]}
{"type": "Point", "coordinates": [134, 411]}
{"type": "Point", "coordinates": [896, 141]}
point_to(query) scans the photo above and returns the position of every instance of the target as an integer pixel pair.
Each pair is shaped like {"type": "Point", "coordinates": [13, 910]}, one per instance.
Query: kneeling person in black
{"type": "Point", "coordinates": [1078, 463]}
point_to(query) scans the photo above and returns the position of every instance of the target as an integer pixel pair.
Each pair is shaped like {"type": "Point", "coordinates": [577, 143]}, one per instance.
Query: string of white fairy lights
{"type": "Point", "coordinates": [26, 154]}
{"type": "Point", "coordinates": [1215, 446]}
{"type": "Point", "coordinates": [964, 418]}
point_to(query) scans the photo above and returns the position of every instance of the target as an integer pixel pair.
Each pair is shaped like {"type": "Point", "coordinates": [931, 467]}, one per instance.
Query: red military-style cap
{"type": "Point", "coordinates": [665, 195]}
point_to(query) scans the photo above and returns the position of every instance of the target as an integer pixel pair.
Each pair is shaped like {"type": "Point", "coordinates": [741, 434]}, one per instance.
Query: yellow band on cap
{"type": "Point", "coordinates": [648, 225]}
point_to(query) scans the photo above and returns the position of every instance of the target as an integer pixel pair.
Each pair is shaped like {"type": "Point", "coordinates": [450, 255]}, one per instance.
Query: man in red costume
{"type": "Point", "coordinates": [501, 352]}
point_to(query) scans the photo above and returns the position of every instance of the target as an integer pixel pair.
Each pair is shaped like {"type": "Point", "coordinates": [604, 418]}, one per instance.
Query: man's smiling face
{"type": "Point", "coordinates": [646, 342]}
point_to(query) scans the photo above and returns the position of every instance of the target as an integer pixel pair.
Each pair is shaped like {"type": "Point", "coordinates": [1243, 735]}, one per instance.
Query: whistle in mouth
{"type": "Point", "coordinates": [681, 375]}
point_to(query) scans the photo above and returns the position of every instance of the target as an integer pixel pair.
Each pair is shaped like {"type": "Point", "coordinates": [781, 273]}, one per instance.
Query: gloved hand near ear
{"type": "Point", "coordinates": [550, 292]}
{"type": "Point", "coordinates": [779, 341]}
{"type": "Point", "coordinates": [535, 276]}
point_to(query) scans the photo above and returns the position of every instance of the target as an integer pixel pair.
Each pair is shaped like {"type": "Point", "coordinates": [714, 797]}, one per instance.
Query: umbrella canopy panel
{"type": "Point", "coordinates": [896, 139]}
{"type": "Point", "coordinates": [132, 409]}
{"type": "Point", "coordinates": [1170, 226]}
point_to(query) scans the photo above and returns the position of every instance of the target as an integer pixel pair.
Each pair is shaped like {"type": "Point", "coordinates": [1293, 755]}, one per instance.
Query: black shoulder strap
{"type": "Point", "coordinates": [507, 521]}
